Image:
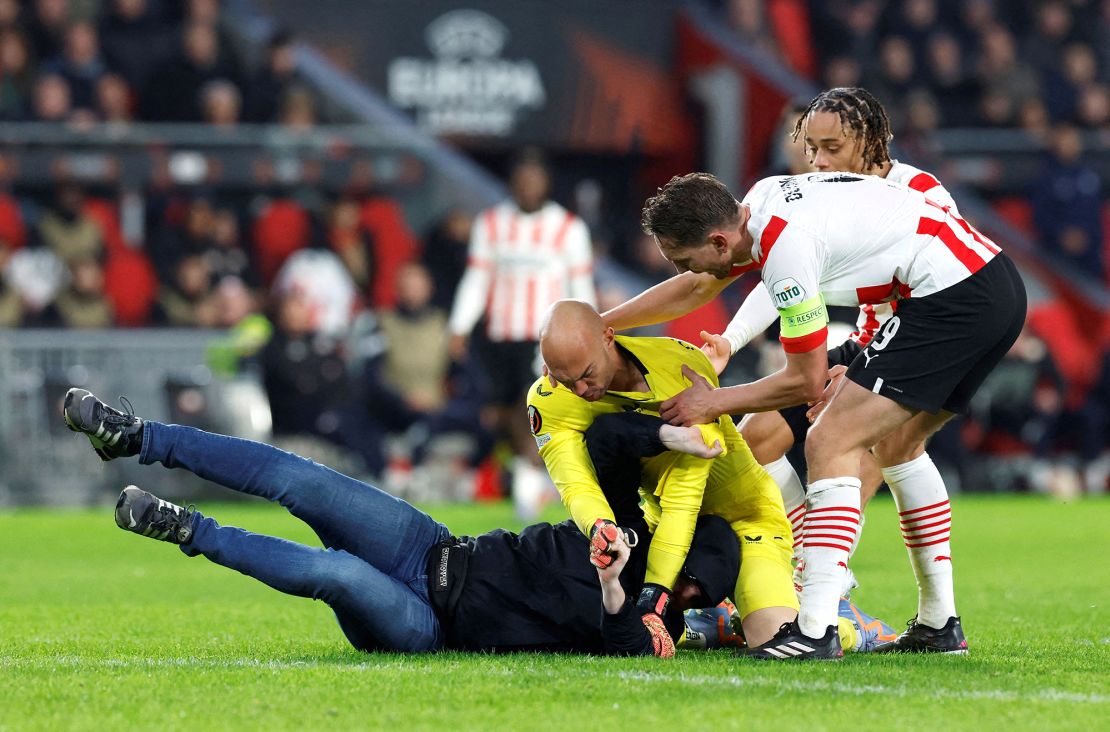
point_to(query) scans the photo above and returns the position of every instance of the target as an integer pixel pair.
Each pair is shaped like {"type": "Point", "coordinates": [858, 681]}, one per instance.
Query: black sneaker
{"type": "Point", "coordinates": [920, 638]}
{"type": "Point", "coordinates": [789, 643]}
{"type": "Point", "coordinates": [112, 433]}
{"type": "Point", "coordinates": [147, 514]}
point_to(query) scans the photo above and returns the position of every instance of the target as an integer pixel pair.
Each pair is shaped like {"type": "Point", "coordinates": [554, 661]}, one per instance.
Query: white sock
{"type": "Point", "coordinates": [793, 498]}
{"type": "Point", "coordinates": [528, 489]}
{"type": "Point", "coordinates": [926, 520]}
{"type": "Point", "coordinates": [832, 519]}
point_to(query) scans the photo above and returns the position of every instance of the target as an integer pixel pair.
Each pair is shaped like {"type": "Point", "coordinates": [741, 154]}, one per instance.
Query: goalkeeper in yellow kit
{"type": "Point", "coordinates": [598, 374]}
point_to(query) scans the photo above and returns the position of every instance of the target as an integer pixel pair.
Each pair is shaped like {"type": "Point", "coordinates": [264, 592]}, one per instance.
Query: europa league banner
{"type": "Point", "coordinates": [575, 74]}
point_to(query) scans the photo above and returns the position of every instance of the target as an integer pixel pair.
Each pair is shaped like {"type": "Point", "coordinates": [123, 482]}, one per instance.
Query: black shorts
{"type": "Point", "coordinates": [936, 350]}
{"type": "Point", "coordinates": [795, 417]}
{"type": "Point", "coordinates": [511, 369]}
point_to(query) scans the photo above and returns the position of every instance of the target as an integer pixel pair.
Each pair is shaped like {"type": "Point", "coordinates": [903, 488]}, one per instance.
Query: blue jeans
{"type": "Point", "coordinates": [372, 572]}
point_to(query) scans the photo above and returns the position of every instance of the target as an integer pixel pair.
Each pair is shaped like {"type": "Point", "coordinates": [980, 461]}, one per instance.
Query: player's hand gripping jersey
{"type": "Point", "coordinates": [845, 239]}
{"type": "Point", "coordinates": [676, 488]}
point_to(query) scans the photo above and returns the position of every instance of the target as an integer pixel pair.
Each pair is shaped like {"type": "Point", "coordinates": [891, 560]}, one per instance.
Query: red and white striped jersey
{"type": "Point", "coordinates": [871, 317]}
{"type": "Point", "coordinates": [854, 240]}
{"type": "Point", "coordinates": [519, 263]}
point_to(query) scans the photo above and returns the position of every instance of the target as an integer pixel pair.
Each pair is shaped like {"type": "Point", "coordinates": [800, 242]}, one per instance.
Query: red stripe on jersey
{"type": "Point", "coordinates": [990, 245]}
{"type": "Point", "coordinates": [907, 512]}
{"type": "Point", "coordinates": [580, 270]}
{"type": "Point", "coordinates": [961, 251]}
{"type": "Point", "coordinates": [561, 235]}
{"type": "Point", "coordinates": [477, 263]}
{"type": "Point", "coordinates": [555, 288]}
{"type": "Point", "coordinates": [530, 308]}
{"type": "Point", "coordinates": [923, 182]}
{"type": "Point", "coordinates": [739, 269]}
{"type": "Point", "coordinates": [799, 507]}
{"type": "Point", "coordinates": [514, 225]}
{"type": "Point", "coordinates": [491, 226]}
{"type": "Point", "coordinates": [537, 230]}
{"type": "Point", "coordinates": [805, 344]}
{"type": "Point", "coordinates": [770, 235]}
{"type": "Point", "coordinates": [870, 325]}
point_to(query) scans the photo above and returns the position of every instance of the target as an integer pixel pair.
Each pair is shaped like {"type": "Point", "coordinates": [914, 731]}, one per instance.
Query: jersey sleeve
{"type": "Point", "coordinates": [470, 297]}
{"type": "Point", "coordinates": [680, 488]}
{"type": "Point", "coordinates": [792, 273]}
{"type": "Point", "coordinates": [559, 426]}
{"type": "Point", "coordinates": [755, 315]}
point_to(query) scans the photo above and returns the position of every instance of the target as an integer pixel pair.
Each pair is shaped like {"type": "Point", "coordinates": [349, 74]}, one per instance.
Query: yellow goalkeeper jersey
{"type": "Point", "coordinates": [676, 488]}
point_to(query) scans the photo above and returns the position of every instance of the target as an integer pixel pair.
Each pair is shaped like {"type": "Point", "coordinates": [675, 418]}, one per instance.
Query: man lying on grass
{"type": "Point", "coordinates": [396, 579]}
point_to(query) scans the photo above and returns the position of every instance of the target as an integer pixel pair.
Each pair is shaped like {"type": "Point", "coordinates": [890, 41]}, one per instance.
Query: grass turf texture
{"type": "Point", "coordinates": [104, 629]}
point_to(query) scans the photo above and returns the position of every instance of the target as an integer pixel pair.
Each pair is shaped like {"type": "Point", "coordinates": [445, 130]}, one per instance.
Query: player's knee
{"type": "Point", "coordinates": [768, 436]}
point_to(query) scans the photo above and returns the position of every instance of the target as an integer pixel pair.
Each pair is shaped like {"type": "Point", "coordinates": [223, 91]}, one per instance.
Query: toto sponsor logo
{"type": "Point", "coordinates": [468, 88]}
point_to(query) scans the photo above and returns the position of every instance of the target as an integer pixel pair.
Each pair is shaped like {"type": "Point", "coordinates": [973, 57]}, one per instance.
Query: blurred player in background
{"type": "Point", "coordinates": [525, 253]}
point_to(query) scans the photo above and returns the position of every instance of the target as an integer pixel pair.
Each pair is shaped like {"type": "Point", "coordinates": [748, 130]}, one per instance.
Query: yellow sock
{"type": "Point", "coordinates": [849, 638]}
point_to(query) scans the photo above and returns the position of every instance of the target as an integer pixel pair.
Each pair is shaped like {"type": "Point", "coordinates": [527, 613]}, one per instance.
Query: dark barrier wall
{"type": "Point", "coordinates": [577, 75]}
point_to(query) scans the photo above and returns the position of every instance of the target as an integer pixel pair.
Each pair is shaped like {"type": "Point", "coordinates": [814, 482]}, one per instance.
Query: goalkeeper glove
{"type": "Point", "coordinates": [603, 534]}
{"type": "Point", "coordinates": [652, 605]}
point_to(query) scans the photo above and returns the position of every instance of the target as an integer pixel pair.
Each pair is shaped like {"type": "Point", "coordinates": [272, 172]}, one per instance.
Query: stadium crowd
{"type": "Point", "coordinates": [344, 286]}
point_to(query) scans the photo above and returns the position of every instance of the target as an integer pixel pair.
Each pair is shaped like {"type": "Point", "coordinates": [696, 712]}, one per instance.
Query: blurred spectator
{"type": "Point", "coordinates": [956, 90]}
{"type": "Point", "coordinates": [298, 110]}
{"type": "Point", "coordinates": [270, 85]}
{"type": "Point", "coordinates": [192, 236]}
{"type": "Point", "coordinates": [1077, 71]}
{"type": "Point", "coordinates": [51, 101]}
{"type": "Point", "coordinates": [415, 361]}
{"type": "Point", "coordinates": [847, 28]}
{"type": "Point", "coordinates": [10, 12]}
{"type": "Point", "coordinates": [113, 100]}
{"type": "Point", "coordinates": [207, 13]}
{"type": "Point", "coordinates": [1067, 203]}
{"type": "Point", "coordinates": [323, 282]}
{"type": "Point", "coordinates": [1004, 74]}
{"type": "Point", "coordinates": [188, 301]}
{"type": "Point", "coordinates": [1034, 119]}
{"type": "Point", "coordinates": [82, 303]}
{"type": "Point", "coordinates": [46, 27]}
{"type": "Point", "coordinates": [234, 302]}
{"type": "Point", "coordinates": [789, 157]}
{"type": "Point", "coordinates": [1052, 29]}
{"type": "Point", "coordinates": [895, 76]}
{"type": "Point", "coordinates": [749, 21]}
{"type": "Point", "coordinates": [16, 76]}
{"type": "Point", "coordinates": [444, 255]}
{"type": "Point", "coordinates": [221, 103]}
{"type": "Point", "coordinates": [66, 230]}
{"type": "Point", "coordinates": [173, 92]}
{"type": "Point", "coordinates": [351, 242]}
{"type": "Point", "coordinates": [135, 41]}
{"type": "Point", "coordinates": [37, 274]}
{"type": "Point", "coordinates": [79, 64]}
{"type": "Point", "coordinates": [225, 254]}
{"type": "Point", "coordinates": [1094, 107]}
{"type": "Point", "coordinates": [842, 71]}
{"type": "Point", "coordinates": [913, 20]}
{"type": "Point", "coordinates": [525, 253]}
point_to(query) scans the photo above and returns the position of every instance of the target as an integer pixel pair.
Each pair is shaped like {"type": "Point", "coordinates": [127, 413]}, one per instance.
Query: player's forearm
{"type": "Point", "coordinates": [470, 301]}
{"type": "Point", "coordinates": [779, 390]}
{"type": "Point", "coordinates": [668, 300]}
{"type": "Point", "coordinates": [755, 315]}
{"type": "Point", "coordinates": [612, 596]}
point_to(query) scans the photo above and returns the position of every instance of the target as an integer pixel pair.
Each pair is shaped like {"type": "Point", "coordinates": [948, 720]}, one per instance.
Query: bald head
{"type": "Point", "coordinates": [578, 348]}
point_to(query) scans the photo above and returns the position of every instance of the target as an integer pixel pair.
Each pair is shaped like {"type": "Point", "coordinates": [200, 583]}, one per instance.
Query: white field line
{"type": "Point", "coordinates": [840, 687]}
{"type": "Point", "coordinates": [773, 684]}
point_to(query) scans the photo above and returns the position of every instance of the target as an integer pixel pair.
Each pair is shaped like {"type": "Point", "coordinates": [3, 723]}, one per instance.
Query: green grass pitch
{"type": "Point", "coordinates": [100, 629]}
